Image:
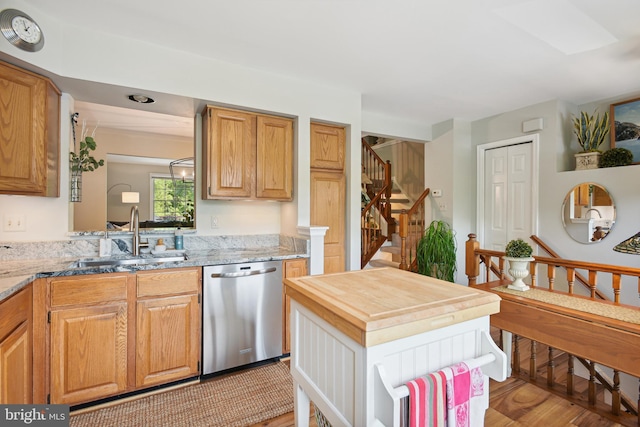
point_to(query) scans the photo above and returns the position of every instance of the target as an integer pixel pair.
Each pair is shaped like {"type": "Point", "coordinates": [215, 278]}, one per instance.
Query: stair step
{"type": "Point", "coordinates": [406, 201]}
{"type": "Point", "coordinates": [383, 263]}
{"type": "Point", "coordinates": [391, 249]}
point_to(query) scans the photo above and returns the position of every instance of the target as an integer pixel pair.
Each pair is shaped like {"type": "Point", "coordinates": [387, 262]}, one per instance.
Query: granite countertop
{"type": "Point", "coordinates": [14, 275]}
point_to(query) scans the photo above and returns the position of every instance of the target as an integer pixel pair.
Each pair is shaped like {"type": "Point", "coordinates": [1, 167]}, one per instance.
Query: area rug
{"type": "Point", "coordinates": [240, 399]}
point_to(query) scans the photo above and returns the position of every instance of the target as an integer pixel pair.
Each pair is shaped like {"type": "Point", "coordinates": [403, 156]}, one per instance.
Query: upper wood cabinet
{"type": "Point", "coordinates": [246, 155]}
{"type": "Point", "coordinates": [327, 147]}
{"type": "Point", "coordinates": [29, 140]}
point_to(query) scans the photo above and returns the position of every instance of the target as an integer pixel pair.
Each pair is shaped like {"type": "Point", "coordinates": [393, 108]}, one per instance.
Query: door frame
{"type": "Point", "coordinates": [534, 139]}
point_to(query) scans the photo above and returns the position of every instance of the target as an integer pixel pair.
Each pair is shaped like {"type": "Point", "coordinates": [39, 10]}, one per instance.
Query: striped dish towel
{"type": "Point", "coordinates": [427, 400]}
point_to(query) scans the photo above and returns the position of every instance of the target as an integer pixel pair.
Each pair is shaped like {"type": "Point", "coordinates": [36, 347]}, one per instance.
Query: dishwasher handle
{"type": "Point", "coordinates": [244, 273]}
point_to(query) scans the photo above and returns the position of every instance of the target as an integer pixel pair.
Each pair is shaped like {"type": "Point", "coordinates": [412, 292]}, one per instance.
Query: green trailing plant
{"type": "Point", "coordinates": [591, 130]}
{"type": "Point", "coordinates": [436, 252]}
{"type": "Point", "coordinates": [616, 157]}
{"type": "Point", "coordinates": [518, 248]}
{"type": "Point", "coordinates": [83, 161]}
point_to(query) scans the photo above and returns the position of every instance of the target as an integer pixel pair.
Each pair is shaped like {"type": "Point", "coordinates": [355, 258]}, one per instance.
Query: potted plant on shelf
{"type": "Point", "coordinates": [436, 252]}
{"type": "Point", "coordinates": [591, 131]}
{"type": "Point", "coordinates": [518, 253]}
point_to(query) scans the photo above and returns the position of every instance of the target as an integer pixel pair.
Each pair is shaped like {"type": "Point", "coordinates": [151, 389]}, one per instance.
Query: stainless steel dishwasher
{"type": "Point", "coordinates": [242, 314]}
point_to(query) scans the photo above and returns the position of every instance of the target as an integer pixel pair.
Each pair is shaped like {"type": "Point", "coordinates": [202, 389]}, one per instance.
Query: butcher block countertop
{"type": "Point", "coordinates": [375, 306]}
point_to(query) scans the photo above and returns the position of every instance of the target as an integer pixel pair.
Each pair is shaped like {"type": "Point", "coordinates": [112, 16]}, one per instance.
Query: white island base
{"type": "Point", "coordinates": [354, 370]}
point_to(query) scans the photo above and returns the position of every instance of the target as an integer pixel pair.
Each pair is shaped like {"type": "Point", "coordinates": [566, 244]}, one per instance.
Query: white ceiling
{"type": "Point", "coordinates": [423, 60]}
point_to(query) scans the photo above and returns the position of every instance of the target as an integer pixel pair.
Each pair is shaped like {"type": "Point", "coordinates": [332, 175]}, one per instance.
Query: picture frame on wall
{"type": "Point", "coordinates": [625, 126]}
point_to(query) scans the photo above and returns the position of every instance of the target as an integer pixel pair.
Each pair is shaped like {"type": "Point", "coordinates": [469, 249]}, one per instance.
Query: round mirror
{"type": "Point", "coordinates": [588, 213]}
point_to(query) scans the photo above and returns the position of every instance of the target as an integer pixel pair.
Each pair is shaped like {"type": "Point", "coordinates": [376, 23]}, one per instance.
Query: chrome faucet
{"type": "Point", "coordinates": [134, 225]}
{"type": "Point", "coordinates": [592, 209]}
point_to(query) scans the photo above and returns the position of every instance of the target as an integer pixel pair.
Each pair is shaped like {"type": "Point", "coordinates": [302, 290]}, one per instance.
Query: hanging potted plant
{"type": "Point", "coordinates": [436, 252]}
{"type": "Point", "coordinates": [518, 254]}
{"type": "Point", "coordinates": [591, 130]}
{"type": "Point", "coordinates": [82, 161]}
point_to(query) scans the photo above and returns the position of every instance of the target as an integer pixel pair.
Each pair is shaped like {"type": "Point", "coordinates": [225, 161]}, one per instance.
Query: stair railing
{"type": "Point", "coordinates": [596, 332]}
{"type": "Point", "coordinates": [412, 226]}
{"type": "Point", "coordinates": [377, 224]}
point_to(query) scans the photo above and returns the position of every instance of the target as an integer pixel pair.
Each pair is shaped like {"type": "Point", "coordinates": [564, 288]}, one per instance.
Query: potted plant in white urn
{"type": "Point", "coordinates": [518, 254]}
{"type": "Point", "coordinates": [591, 130]}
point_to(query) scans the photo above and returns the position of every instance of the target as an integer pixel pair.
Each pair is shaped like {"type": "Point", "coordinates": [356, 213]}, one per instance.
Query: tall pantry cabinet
{"type": "Point", "coordinates": [328, 191]}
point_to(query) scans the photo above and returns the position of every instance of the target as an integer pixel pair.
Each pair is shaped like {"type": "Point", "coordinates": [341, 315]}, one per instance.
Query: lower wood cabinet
{"type": "Point", "coordinates": [16, 348]}
{"type": "Point", "coordinates": [168, 326]}
{"type": "Point", "coordinates": [116, 333]}
{"type": "Point", "coordinates": [291, 268]}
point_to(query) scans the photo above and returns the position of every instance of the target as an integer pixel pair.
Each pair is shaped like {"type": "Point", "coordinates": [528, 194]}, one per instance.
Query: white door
{"type": "Point", "coordinates": [508, 195]}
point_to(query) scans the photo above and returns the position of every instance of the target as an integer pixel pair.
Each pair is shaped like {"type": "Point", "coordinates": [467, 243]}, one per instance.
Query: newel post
{"type": "Point", "coordinates": [472, 259]}
{"type": "Point", "coordinates": [404, 231]}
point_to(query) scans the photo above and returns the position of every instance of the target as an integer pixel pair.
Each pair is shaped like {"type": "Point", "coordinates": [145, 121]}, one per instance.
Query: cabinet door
{"type": "Point", "coordinates": [89, 353]}
{"type": "Point", "coordinates": [274, 158]}
{"type": "Point", "coordinates": [228, 154]}
{"type": "Point", "coordinates": [327, 147]}
{"type": "Point", "coordinates": [328, 209]}
{"type": "Point", "coordinates": [16, 379]}
{"type": "Point", "coordinates": [168, 339]}
{"type": "Point", "coordinates": [291, 268]}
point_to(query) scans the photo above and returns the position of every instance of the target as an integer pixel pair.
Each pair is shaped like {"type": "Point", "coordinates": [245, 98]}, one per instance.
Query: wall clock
{"type": "Point", "coordinates": [21, 30]}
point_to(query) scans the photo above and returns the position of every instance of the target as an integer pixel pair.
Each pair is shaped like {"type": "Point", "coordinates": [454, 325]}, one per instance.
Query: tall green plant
{"type": "Point", "coordinates": [436, 252]}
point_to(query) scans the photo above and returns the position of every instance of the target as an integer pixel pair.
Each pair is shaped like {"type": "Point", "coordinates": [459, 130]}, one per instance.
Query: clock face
{"type": "Point", "coordinates": [26, 29]}
{"type": "Point", "coordinates": [20, 30]}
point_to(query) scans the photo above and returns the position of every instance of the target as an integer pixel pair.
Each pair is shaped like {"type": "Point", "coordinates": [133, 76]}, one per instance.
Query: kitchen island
{"type": "Point", "coordinates": [348, 327]}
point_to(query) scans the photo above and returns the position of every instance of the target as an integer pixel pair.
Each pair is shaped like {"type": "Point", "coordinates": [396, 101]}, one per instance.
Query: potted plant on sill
{"type": "Point", "coordinates": [518, 254]}
{"type": "Point", "coordinates": [436, 252]}
{"type": "Point", "coordinates": [591, 131]}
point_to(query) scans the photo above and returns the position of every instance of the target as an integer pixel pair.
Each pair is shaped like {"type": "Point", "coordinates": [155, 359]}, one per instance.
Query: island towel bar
{"type": "Point", "coordinates": [390, 401]}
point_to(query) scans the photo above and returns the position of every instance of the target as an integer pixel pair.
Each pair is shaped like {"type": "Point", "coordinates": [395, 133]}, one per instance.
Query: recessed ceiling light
{"type": "Point", "coordinates": [142, 99]}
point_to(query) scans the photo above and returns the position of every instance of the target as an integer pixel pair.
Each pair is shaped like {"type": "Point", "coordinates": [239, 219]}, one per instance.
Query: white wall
{"type": "Point", "coordinates": [107, 59]}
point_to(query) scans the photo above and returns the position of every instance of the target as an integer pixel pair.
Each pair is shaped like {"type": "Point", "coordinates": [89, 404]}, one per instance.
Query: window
{"type": "Point", "coordinates": [173, 200]}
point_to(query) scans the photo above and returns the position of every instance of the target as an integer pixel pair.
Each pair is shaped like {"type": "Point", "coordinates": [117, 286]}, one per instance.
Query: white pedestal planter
{"type": "Point", "coordinates": [518, 270]}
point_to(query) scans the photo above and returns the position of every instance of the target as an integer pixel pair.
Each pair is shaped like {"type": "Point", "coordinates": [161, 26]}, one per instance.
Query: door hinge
{"type": "Point", "coordinates": [198, 299]}
{"type": "Point", "coordinates": [48, 398]}
{"type": "Point", "coordinates": [48, 317]}
{"type": "Point", "coordinates": [198, 369]}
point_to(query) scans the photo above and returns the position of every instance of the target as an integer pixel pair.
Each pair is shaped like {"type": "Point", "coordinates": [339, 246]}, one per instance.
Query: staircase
{"type": "Point", "coordinates": [391, 223]}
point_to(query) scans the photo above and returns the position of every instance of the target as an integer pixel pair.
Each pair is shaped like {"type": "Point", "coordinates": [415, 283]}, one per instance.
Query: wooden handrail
{"type": "Point", "coordinates": [378, 210]}
{"type": "Point", "coordinates": [472, 268]}
{"type": "Point", "coordinates": [579, 276]}
{"type": "Point", "coordinates": [592, 336]}
{"type": "Point", "coordinates": [412, 228]}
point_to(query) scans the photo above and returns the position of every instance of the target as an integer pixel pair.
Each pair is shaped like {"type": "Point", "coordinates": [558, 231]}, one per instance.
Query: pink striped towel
{"type": "Point", "coordinates": [427, 397]}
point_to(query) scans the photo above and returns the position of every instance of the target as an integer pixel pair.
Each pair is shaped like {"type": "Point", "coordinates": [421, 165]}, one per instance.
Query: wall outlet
{"type": "Point", "coordinates": [214, 221]}
{"type": "Point", "coordinates": [14, 222]}
{"type": "Point", "coordinates": [442, 206]}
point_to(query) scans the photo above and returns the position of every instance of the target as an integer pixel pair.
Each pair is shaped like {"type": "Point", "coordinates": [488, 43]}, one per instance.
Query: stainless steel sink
{"type": "Point", "coordinates": [132, 260]}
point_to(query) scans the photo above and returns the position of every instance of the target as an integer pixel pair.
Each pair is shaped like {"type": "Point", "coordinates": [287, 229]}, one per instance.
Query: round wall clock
{"type": "Point", "coordinates": [21, 30]}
